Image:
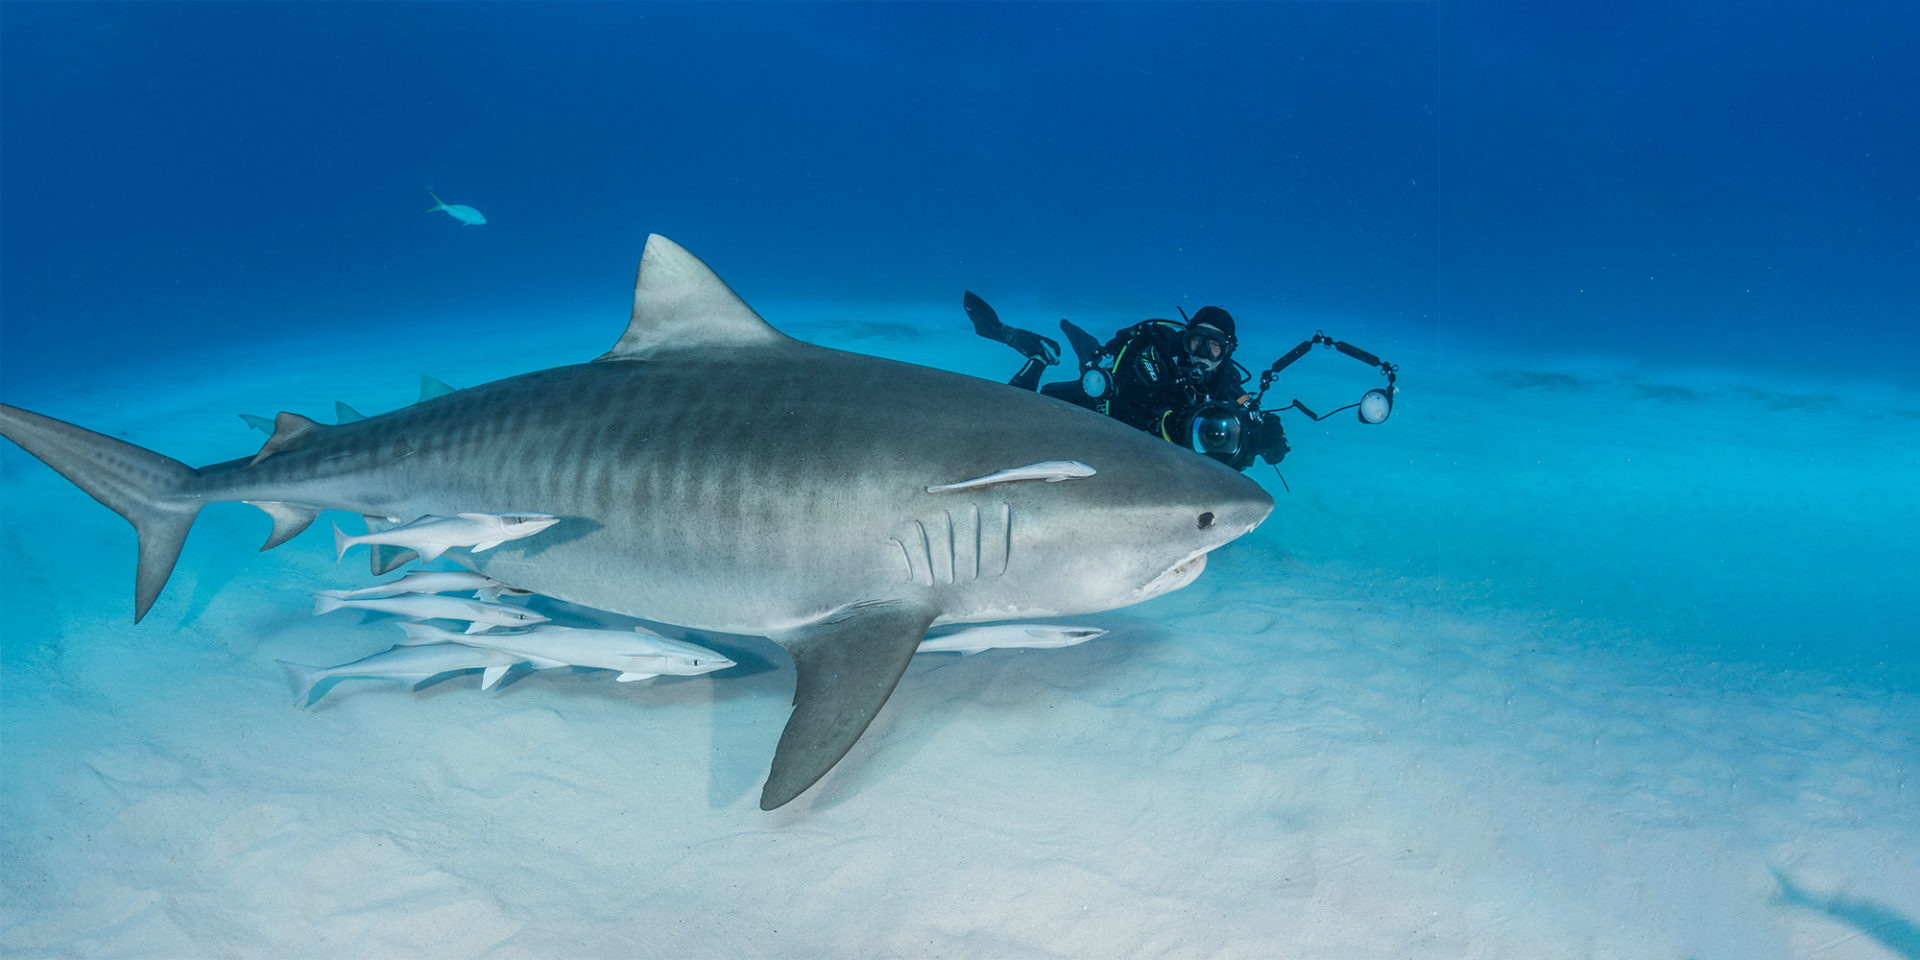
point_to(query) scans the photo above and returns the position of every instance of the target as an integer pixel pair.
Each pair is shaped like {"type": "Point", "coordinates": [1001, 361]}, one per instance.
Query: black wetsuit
{"type": "Point", "coordinates": [1149, 390]}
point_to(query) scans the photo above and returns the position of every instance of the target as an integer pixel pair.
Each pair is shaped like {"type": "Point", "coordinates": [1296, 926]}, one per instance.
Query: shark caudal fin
{"type": "Point", "coordinates": [154, 493]}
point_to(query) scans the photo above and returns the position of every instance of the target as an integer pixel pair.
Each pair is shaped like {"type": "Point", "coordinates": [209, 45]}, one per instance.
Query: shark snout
{"type": "Point", "coordinates": [1236, 510]}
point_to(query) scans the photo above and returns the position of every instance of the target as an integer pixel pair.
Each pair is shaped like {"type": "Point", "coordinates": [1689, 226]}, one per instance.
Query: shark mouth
{"type": "Point", "coordinates": [1174, 577]}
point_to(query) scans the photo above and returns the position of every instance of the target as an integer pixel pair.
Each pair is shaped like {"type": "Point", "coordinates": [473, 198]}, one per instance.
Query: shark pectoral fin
{"type": "Point", "coordinates": [288, 520]}
{"type": "Point", "coordinates": [847, 663]}
{"type": "Point", "coordinates": [631, 677]}
{"type": "Point", "coordinates": [493, 675]}
{"type": "Point", "coordinates": [289, 430]}
{"type": "Point", "coordinates": [478, 627]}
{"type": "Point", "coordinates": [431, 552]}
{"type": "Point", "coordinates": [484, 545]}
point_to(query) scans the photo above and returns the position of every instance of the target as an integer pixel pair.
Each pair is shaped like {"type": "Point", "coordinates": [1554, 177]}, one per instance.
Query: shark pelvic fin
{"type": "Point", "coordinates": [848, 663]}
{"type": "Point", "coordinates": [289, 430]}
{"type": "Point", "coordinates": [154, 493]}
{"type": "Point", "coordinates": [679, 302]}
{"type": "Point", "coordinates": [288, 520]}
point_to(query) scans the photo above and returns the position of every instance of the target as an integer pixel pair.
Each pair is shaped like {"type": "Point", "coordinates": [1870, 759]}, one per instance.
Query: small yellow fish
{"type": "Point", "coordinates": [458, 211]}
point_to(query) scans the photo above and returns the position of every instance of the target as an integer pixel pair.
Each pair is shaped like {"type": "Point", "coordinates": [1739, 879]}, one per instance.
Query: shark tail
{"type": "Point", "coordinates": [154, 493]}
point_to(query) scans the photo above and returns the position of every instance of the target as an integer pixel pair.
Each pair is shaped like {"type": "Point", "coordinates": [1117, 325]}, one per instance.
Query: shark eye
{"type": "Point", "coordinates": [1206, 520]}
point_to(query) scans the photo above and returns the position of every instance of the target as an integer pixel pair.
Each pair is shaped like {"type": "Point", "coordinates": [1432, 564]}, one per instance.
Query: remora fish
{"type": "Point", "coordinates": [429, 606]}
{"type": "Point", "coordinates": [712, 473]}
{"type": "Point", "coordinates": [412, 664]}
{"type": "Point", "coordinates": [458, 211]}
{"type": "Point", "coordinates": [1038, 636]}
{"type": "Point", "coordinates": [639, 655]}
{"type": "Point", "coordinates": [431, 581]}
{"type": "Point", "coordinates": [432, 536]}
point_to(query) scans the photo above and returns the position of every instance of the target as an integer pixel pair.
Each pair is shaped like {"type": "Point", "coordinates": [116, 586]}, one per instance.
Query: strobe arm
{"type": "Point", "coordinates": [1319, 338]}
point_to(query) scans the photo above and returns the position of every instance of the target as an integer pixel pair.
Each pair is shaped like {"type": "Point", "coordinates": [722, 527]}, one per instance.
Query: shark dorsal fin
{"type": "Point", "coordinates": [289, 430]}
{"type": "Point", "coordinates": [679, 302]}
{"type": "Point", "coordinates": [346, 414]}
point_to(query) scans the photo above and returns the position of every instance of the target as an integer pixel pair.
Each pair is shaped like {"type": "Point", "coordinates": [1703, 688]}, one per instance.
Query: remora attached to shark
{"type": "Point", "coordinates": [713, 473]}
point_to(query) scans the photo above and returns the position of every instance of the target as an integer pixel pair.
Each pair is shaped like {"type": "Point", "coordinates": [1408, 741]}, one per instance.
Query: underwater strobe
{"type": "Point", "coordinates": [1374, 406]}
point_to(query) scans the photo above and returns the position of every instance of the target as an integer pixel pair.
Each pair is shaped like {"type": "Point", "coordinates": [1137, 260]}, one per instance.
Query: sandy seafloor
{"type": "Point", "coordinates": [1574, 657]}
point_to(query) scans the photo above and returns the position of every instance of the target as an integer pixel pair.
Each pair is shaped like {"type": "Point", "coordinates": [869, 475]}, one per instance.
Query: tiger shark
{"type": "Point", "coordinates": [712, 473]}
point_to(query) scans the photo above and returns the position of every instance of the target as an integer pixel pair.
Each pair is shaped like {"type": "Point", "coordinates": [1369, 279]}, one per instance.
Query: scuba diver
{"type": "Point", "coordinates": [1178, 381]}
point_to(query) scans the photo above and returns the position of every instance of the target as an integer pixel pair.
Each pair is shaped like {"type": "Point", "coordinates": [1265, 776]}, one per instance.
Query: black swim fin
{"type": "Point", "coordinates": [987, 324]}
{"type": "Point", "coordinates": [1084, 345]}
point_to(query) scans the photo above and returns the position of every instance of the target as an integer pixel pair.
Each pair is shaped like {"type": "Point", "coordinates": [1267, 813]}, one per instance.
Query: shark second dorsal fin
{"type": "Point", "coordinates": [679, 302]}
{"type": "Point", "coordinates": [430, 388]}
{"type": "Point", "coordinates": [289, 431]}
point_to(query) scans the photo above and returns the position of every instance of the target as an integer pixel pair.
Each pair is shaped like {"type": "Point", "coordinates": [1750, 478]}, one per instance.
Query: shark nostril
{"type": "Point", "coordinates": [1206, 520]}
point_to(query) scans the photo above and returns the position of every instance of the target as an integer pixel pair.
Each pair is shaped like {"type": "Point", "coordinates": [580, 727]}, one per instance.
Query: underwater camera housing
{"type": "Point", "coordinates": [1235, 434]}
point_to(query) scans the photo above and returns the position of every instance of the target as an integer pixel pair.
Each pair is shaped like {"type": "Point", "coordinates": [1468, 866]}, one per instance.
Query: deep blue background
{"type": "Point", "coordinates": [1720, 181]}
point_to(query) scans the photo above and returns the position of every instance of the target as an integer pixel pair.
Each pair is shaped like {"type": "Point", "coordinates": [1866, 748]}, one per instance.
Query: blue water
{"type": "Point", "coordinates": [1635, 556]}
{"type": "Point", "coordinates": [1697, 179]}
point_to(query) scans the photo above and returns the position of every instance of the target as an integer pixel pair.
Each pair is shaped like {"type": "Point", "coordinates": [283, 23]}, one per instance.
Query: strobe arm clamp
{"type": "Point", "coordinates": [1378, 402]}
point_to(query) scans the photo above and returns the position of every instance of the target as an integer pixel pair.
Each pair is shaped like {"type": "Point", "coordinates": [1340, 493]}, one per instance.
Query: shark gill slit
{"type": "Point", "coordinates": [976, 539]}
{"type": "Point", "coordinates": [926, 550]}
{"type": "Point", "coordinates": [1006, 527]}
{"type": "Point", "coordinates": [904, 556]}
{"type": "Point", "coordinates": [953, 549]}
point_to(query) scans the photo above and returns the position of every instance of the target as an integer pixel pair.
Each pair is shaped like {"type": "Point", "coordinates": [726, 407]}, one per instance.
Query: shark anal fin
{"type": "Point", "coordinates": [387, 559]}
{"type": "Point", "coordinates": [847, 663]}
{"type": "Point", "coordinates": [288, 520]}
{"type": "Point", "coordinates": [384, 558]}
{"type": "Point", "coordinates": [289, 431]}
{"type": "Point", "coordinates": [493, 674]}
